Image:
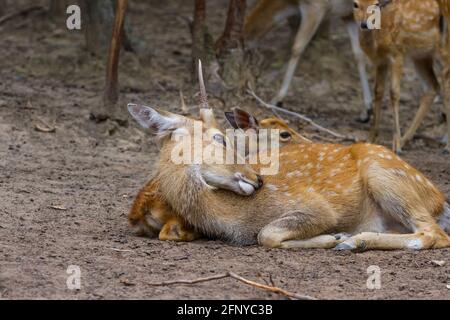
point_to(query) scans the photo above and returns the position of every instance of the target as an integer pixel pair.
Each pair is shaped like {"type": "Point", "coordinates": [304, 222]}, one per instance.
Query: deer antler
{"type": "Point", "coordinates": [203, 97]}
{"type": "Point", "coordinates": [206, 113]}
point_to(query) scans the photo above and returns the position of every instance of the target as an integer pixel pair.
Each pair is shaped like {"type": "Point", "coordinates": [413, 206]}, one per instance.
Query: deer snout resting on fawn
{"type": "Point", "coordinates": [409, 29]}
{"type": "Point", "coordinates": [152, 216]}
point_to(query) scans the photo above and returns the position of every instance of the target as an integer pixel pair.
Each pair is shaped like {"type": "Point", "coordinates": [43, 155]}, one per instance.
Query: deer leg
{"type": "Point", "coordinates": [352, 29]}
{"type": "Point", "coordinates": [176, 230]}
{"type": "Point", "coordinates": [447, 103]}
{"type": "Point", "coordinates": [380, 83]}
{"type": "Point", "coordinates": [399, 200]}
{"type": "Point", "coordinates": [303, 228]}
{"type": "Point", "coordinates": [424, 68]}
{"type": "Point", "coordinates": [312, 15]}
{"type": "Point", "coordinates": [430, 239]}
{"type": "Point", "coordinates": [396, 80]}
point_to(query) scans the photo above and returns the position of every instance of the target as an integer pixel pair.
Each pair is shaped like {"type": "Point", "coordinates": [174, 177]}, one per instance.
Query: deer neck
{"type": "Point", "coordinates": [367, 40]}
{"type": "Point", "coordinates": [217, 213]}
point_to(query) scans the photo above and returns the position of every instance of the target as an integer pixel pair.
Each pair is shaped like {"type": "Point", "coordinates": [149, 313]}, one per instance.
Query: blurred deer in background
{"type": "Point", "coordinates": [325, 195]}
{"type": "Point", "coordinates": [444, 6]}
{"type": "Point", "coordinates": [267, 13]}
{"type": "Point", "coordinates": [409, 29]}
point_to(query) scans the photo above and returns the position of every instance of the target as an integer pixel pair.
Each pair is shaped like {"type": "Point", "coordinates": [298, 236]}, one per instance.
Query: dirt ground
{"type": "Point", "coordinates": [94, 170]}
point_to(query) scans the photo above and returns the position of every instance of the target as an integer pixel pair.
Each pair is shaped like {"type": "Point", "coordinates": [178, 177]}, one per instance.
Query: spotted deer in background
{"type": "Point", "coordinates": [353, 197]}
{"type": "Point", "coordinates": [444, 6]}
{"type": "Point", "coordinates": [267, 13]}
{"type": "Point", "coordinates": [409, 29]}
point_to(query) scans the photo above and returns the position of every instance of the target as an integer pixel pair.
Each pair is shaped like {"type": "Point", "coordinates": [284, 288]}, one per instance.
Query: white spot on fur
{"type": "Point", "coordinates": [271, 187]}
{"type": "Point", "coordinates": [418, 178]}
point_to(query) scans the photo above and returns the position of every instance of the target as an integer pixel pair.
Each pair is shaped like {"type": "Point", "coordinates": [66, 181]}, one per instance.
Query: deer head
{"type": "Point", "coordinates": [199, 148]}
{"type": "Point", "coordinates": [240, 119]}
{"type": "Point", "coordinates": [363, 11]}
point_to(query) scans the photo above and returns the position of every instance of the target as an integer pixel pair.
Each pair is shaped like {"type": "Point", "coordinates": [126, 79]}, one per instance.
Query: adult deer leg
{"type": "Point", "coordinates": [380, 83]}
{"type": "Point", "coordinates": [396, 80]}
{"type": "Point", "coordinates": [352, 29]}
{"type": "Point", "coordinates": [424, 68]}
{"type": "Point", "coordinates": [303, 228]}
{"type": "Point", "coordinates": [312, 16]}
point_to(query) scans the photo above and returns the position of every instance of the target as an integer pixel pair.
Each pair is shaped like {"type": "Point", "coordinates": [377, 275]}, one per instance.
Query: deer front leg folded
{"type": "Point", "coordinates": [303, 228]}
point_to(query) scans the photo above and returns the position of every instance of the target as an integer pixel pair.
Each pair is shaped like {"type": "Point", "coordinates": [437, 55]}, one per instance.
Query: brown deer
{"type": "Point", "coordinates": [444, 6]}
{"type": "Point", "coordinates": [267, 13]}
{"type": "Point", "coordinates": [409, 29]}
{"type": "Point", "coordinates": [353, 197]}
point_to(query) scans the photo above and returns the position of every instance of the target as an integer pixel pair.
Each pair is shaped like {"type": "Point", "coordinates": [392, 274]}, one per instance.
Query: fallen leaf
{"type": "Point", "coordinates": [61, 208]}
{"type": "Point", "coordinates": [45, 129]}
{"type": "Point", "coordinates": [439, 263]}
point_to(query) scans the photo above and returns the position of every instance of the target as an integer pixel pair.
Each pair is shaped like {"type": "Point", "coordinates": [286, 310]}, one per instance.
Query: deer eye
{"type": "Point", "coordinates": [355, 5]}
{"type": "Point", "coordinates": [220, 139]}
{"type": "Point", "coordinates": [285, 135]}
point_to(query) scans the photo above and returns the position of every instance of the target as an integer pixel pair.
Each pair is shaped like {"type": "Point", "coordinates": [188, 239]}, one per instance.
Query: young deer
{"type": "Point", "coordinates": [409, 29]}
{"type": "Point", "coordinates": [320, 192]}
{"type": "Point", "coordinates": [268, 13]}
{"type": "Point", "coordinates": [444, 6]}
{"type": "Point", "coordinates": [151, 215]}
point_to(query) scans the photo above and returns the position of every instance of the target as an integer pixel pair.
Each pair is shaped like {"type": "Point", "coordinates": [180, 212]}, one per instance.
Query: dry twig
{"type": "Point", "coordinates": [235, 276]}
{"type": "Point", "coordinates": [121, 250]}
{"type": "Point", "coordinates": [21, 12]}
{"type": "Point", "coordinates": [300, 116]}
{"type": "Point", "coordinates": [45, 127]}
{"type": "Point", "coordinates": [60, 208]}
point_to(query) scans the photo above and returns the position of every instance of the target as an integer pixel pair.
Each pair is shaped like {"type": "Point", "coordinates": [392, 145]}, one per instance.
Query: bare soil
{"type": "Point", "coordinates": [92, 170]}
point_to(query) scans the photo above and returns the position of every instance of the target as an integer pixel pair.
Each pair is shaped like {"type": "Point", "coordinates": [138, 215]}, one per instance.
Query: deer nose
{"type": "Point", "coordinates": [260, 181]}
{"type": "Point", "coordinates": [364, 25]}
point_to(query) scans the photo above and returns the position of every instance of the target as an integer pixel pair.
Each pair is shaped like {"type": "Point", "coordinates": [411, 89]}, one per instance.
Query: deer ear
{"type": "Point", "coordinates": [230, 117]}
{"type": "Point", "coordinates": [158, 122]}
{"type": "Point", "coordinates": [244, 120]}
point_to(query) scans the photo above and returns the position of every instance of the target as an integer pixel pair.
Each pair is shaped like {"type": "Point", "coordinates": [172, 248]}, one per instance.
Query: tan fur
{"type": "Point", "coordinates": [275, 123]}
{"type": "Point", "coordinates": [409, 29]}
